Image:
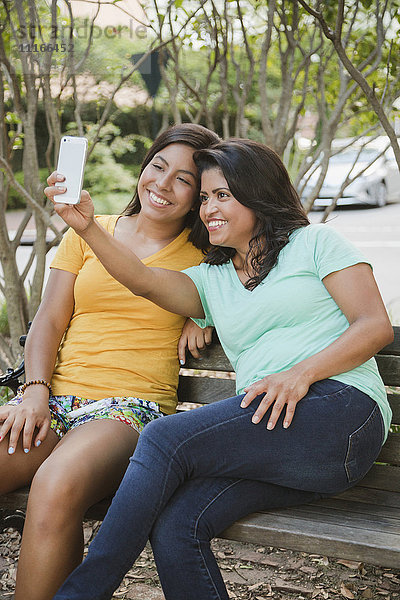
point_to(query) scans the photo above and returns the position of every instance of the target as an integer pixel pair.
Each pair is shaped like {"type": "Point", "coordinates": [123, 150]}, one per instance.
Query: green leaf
{"type": "Point", "coordinates": [12, 118]}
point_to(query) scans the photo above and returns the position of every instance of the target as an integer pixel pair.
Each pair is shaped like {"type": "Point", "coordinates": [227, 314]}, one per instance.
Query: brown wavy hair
{"type": "Point", "coordinates": [197, 137]}
{"type": "Point", "coordinates": [258, 179]}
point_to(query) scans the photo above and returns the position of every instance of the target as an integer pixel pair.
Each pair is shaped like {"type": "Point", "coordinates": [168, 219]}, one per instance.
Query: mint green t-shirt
{"type": "Point", "coordinates": [289, 316]}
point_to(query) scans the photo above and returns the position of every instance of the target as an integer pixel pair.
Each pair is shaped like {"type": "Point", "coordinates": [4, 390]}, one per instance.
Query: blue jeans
{"type": "Point", "coordinates": [195, 473]}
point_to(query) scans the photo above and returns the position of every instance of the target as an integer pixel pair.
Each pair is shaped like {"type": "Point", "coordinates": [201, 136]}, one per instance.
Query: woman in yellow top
{"type": "Point", "coordinates": [92, 342]}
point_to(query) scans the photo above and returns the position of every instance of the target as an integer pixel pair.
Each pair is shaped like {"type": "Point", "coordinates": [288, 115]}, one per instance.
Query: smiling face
{"type": "Point", "coordinates": [167, 187]}
{"type": "Point", "coordinates": [228, 222]}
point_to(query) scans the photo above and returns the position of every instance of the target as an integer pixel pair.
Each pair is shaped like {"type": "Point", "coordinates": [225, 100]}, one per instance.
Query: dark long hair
{"type": "Point", "coordinates": [197, 137]}
{"type": "Point", "coordinates": [258, 179]}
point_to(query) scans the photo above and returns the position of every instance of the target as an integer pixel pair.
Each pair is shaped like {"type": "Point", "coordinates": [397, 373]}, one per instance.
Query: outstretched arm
{"type": "Point", "coordinates": [172, 290]}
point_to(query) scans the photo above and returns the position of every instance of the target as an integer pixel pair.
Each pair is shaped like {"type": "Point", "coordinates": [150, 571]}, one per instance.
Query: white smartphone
{"type": "Point", "coordinates": [71, 164]}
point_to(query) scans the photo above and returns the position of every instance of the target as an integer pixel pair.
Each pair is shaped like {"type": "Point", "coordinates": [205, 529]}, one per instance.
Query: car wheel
{"type": "Point", "coordinates": [379, 193]}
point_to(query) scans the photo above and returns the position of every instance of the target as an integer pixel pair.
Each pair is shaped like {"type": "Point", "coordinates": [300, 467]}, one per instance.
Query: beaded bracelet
{"type": "Point", "coordinates": [23, 387]}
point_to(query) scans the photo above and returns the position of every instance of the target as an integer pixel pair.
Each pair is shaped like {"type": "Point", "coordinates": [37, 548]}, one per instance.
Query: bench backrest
{"type": "Point", "coordinates": [210, 379]}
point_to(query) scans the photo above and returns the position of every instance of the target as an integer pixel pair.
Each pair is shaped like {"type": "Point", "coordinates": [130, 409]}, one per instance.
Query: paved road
{"type": "Point", "coordinates": [376, 231]}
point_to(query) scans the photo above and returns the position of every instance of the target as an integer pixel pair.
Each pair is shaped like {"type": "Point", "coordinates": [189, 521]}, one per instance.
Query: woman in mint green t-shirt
{"type": "Point", "coordinates": [300, 317]}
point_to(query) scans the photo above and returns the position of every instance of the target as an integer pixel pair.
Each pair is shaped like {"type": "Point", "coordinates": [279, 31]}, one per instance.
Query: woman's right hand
{"type": "Point", "coordinates": [194, 338]}
{"type": "Point", "coordinates": [78, 216]}
{"type": "Point", "coordinates": [33, 413]}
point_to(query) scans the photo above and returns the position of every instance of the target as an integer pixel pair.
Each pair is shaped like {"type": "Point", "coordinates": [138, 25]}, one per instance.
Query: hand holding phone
{"type": "Point", "coordinates": [71, 163]}
{"type": "Point", "coordinates": [78, 216]}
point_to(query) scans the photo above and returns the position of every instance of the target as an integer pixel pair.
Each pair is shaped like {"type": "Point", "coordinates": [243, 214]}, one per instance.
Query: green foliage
{"type": "Point", "coordinates": [5, 395]}
{"type": "Point", "coordinates": [13, 123]}
{"type": "Point", "coordinates": [15, 200]}
{"type": "Point", "coordinates": [110, 184]}
{"type": "Point", "coordinates": [330, 12]}
{"type": "Point", "coordinates": [4, 327]}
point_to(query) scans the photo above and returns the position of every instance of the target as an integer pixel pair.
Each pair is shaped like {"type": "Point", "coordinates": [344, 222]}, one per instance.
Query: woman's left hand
{"type": "Point", "coordinates": [287, 387]}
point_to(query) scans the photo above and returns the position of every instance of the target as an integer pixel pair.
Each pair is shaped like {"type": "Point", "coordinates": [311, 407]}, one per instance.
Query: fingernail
{"type": "Point", "coordinates": [256, 419]}
{"type": "Point", "coordinates": [26, 450]}
{"type": "Point", "coordinates": [37, 444]}
{"type": "Point", "coordinates": [60, 177]}
{"type": "Point", "coordinates": [286, 424]}
{"type": "Point", "coordinates": [242, 405]}
{"type": "Point", "coordinates": [61, 188]}
{"type": "Point", "coordinates": [270, 426]}
{"type": "Point", "coordinates": [182, 362]}
{"type": "Point", "coordinates": [11, 450]}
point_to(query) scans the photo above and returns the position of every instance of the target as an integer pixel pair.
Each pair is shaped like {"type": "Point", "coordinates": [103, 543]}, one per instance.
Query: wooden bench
{"type": "Point", "coordinates": [360, 524]}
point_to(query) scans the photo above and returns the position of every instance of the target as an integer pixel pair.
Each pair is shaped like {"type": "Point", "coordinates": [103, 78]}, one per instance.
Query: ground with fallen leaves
{"type": "Point", "coordinates": [251, 573]}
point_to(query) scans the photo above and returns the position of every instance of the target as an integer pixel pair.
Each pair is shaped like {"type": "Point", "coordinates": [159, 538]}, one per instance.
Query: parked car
{"type": "Point", "coordinates": [377, 185]}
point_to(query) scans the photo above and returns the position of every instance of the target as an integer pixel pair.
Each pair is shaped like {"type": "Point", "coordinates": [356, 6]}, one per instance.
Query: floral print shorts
{"type": "Point", "coordinates": [135, 412]}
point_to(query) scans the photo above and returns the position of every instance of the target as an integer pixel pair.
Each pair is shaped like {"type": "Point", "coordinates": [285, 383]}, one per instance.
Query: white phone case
{"type": "Point", "coordinates": [71, 164]}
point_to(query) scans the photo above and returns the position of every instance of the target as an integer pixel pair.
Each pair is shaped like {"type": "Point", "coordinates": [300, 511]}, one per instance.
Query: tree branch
{"type": "Point", "coordinates": [356, 75]}
{"type": "Point", "coordinates": [31, 201]}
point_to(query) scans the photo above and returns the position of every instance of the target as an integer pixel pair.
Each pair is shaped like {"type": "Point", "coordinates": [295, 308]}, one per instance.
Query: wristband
{"type": "Point", "coordinates": [23, 387]}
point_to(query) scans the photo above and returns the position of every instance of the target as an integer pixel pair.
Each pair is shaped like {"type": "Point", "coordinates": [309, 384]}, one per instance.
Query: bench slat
{"type": "Point", "coordinates": [394, 401]}
{"type": "Point", "coordinates": [394, 347]}
{"type": "Point", "coordinates": [279, 529]}
{"type": "Point", "coordinates": [389, 369]}
{"type": "Point", "coordinates": [213, 358]}
{"type": "Point", "coordinates": [362, 508]}
{"type": "Point", "coordinates": [390, 452]}
{"type": "Point", "coordinates": [18, 500]}
{"type": "Point", "coordinates": [382, 477]}
{"type": "Point", "coordinates": [348, 517]}
{"type": "Point", "coordinates": [15, 500]}
{"type": "Point", "coordinates": [205, 390]}
{"type": "Point", "coordinates": [308, 530]}
{"type": "Point", "coordinates": [372, 496]}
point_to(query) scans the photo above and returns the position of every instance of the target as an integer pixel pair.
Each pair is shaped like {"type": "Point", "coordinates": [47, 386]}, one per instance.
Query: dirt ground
{"type": "Point", "coordinates": [251, 573]}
